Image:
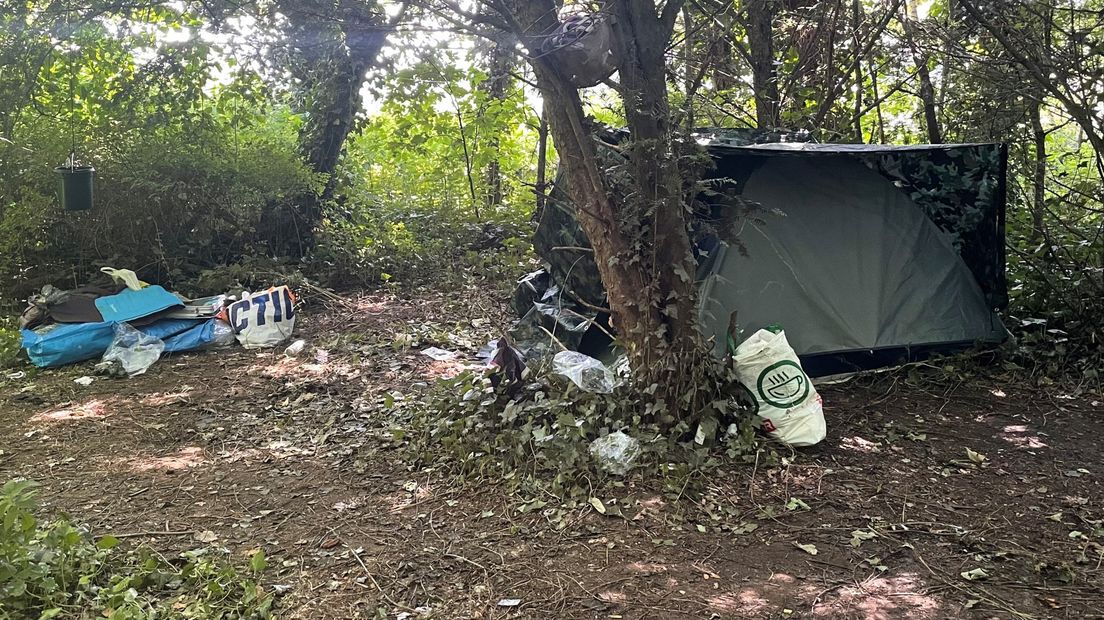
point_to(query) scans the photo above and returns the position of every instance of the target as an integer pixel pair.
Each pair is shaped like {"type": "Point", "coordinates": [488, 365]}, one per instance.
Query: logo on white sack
{"type": "Point", "coordinates": [782, 384]}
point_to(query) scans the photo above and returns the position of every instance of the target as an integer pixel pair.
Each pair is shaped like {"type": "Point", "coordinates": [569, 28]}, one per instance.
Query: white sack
{"type": "Point", "coordinates": [790, 409]}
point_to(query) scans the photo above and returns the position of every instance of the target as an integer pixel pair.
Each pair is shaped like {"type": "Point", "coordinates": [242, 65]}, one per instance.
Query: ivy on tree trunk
{"type": "Point", "coordinates": [634, 210]}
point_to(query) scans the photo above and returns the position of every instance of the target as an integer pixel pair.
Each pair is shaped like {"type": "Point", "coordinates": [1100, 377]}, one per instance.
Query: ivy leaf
{"type": "Point", "coordinates": [257, 561]}
{"type": "Point", "coordinates": [975, 574]}
{"type": "Point", "coordinates": [977, 457]}
{"type": "Point", "coordinates": [598, 505]}
{"type": "Point", "coordinates": [810, 549]}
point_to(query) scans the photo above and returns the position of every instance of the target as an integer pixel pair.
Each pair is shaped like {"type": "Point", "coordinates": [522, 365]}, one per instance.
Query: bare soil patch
{"type": "Point", "coordinates": [246, 450]}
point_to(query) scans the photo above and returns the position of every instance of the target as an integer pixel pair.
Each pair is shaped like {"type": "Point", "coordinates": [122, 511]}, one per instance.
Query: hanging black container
{"type": "Point", "coordinates": [76, 187]}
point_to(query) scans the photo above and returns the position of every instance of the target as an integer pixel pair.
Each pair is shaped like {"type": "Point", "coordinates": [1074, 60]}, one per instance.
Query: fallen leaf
{"type": "Point", "coordinates": [598, 505]}
{"type": "Point", "coordinates": [976, 457]}
{"type": "Point", "coordinates": [1055, 517]}
{"type": "Point", "coordinates": [796, 504]}
{"type": "Point", "coordinates": [810, 549]}
{"type": "Point", "coordinates": [330, 543]}
{"type": "Point", "coordinates": [858, 536]}
{"type": "Point", "coordinates": [746, 527]}
{"type": "Point", "coordinates": [975, 574]}
{"type": "Point", "coordinates": [206, 536]}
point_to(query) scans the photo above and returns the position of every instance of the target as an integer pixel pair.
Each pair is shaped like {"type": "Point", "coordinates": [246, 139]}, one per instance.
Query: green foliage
{"type": "Point", "coordinates": [10, 341]}
{"type": "Point", "coordinates": [536, 435]}
{"type": "Point", "coordinates": [55, 570]}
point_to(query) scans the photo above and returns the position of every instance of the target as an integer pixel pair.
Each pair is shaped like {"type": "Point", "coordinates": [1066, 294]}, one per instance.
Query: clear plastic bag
{"type": "Point", "coordinates": [584, 371]}
{"type": "Point", "coordinates": [222, 335]}
{"type": "Point", "coordinates": [616, 453]}
{"type": "Point", "coordinates": [132, 350]}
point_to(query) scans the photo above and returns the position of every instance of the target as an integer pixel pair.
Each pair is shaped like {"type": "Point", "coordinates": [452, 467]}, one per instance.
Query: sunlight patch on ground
{"type": "Point", "coordinates": [256, 454]}
{"type": "Point", "coordinates": [159, 399]}
{"type": "Point", "coordinates": [880, 598]}
{"type": "Point", "coordinates": [647, 568]}
{"type": "Point", "coordinates": [95, 409]}
{"type": "Point", "coordinates": [372, 307]}
{"type": "Point", "coordinates": [858, 444]}
{"type": "Point", "coordinates": [282, 449]}
{"type": "Point", "coordinates": [185, 458]}
{"type": "Point", "coordinates": [610, 596]}
{"type": "Point", "coordinates": [288, 368]}
{"type": "Point", "coordinates": [446, 370]}
{"type": "Point", "coordinates": [746, 601]}
{"type": "Point", "coordinates": [1022, 437]}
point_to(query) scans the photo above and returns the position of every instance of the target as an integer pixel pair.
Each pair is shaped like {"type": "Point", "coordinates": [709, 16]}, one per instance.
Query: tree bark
{"type": "Point", "coordinates": [1038, 205]}
{"type": "Point", "coordinates": [764, 77]}
{"type": "Point", "coordinates": [332, 48]}
{"type": "Point", "coordinates": [927, 92]}
{"type": "Point", "coordinates": [499, 61]}
{"type": "Point", "coordinates": [637, 226]}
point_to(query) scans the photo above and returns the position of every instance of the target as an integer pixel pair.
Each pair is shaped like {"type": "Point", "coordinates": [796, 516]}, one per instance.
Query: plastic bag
{"type": "Point", "coordinates": [134, 351]}
{"type": "Point", "coordinates": [790, 409]}
{"type": "Point", "coordinates": [222, 334]}
{"type": "Point", "coordinates": [584, 371]}
{"type": "Point", "coordinates": [581, 47]}
{"type": "Point", "coordinates": [263, 319]}
{"type": "Point", "coordinates": [616, 452]}
{"type": "Point", "coordinates": [125, 276]}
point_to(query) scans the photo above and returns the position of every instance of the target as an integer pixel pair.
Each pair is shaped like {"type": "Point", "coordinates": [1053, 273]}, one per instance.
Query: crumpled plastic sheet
{"type": "Point", "coordinates": [134, 351]}
{"type": "Point", "coordinates": [584, 371]}
{"type": "Point", "coordinates": [616, 453]}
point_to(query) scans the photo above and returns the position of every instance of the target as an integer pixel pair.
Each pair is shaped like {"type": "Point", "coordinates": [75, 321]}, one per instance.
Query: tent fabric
{"type": "Point", "coordinates": [843, 260]}
{"type": "Point", "coordinates": [894, 252]}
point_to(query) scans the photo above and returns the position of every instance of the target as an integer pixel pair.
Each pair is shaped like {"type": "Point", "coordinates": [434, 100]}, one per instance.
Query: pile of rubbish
{"type": "Point", "coordinates": [129, 324]}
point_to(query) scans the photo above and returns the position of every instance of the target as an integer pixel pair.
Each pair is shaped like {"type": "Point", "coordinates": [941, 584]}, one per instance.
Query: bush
{"type": "Point", "coordinates": [56, 570]}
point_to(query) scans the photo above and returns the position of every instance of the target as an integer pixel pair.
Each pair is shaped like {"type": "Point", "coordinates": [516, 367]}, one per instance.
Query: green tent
{"type": "Point", "coordinates": [867, 255]}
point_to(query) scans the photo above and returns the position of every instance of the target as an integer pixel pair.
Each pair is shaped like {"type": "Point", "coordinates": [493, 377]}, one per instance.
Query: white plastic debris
{"type": "Point", "coordinates": [84, 381]}
{"type": "Point", "coordinates": [295, 348]}
{"type": "Point", "coordinates": [616, 453]}
{"type": "Point", "coordinates": [439, 354]}
{"type": "Point", "coordinates": [584, 371]}
{"type": "Point", "coordinates": [509, 602]}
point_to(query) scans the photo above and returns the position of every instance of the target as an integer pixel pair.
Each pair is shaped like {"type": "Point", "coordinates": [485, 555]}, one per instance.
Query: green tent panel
{"type": "Point", "coordinates": [848, 264]}
{"type": "Point", "coordinates": [867, 255]}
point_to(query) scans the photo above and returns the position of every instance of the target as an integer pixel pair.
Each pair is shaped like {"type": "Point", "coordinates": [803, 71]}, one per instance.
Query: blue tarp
{"type": "Point", "coordinates": [129, 305]}
{"type": "Point", "coordinates": [68, 343]}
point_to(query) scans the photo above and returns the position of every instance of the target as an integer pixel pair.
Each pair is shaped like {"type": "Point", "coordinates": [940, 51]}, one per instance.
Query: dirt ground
{"type": "Point", "coordinates": [246, 449]}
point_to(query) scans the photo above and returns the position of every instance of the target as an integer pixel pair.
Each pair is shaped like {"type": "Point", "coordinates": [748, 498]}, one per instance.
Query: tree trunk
{"type": "Point", "coordinates": [496, 85]}
{"type": "Point", "coordinates": [927, 92]}
{"type": "Point", "coordinates": [764, 77]}
{"type": "Point", "coordinates": [640, 237]}
{"type": "Point", "coordinates": [1038, 205]}
{"type": "Point", "coordinates": [542, 166]}
{"type": "Point", "coordinates": [856, 25]}
{"type": "Point", "coordinates": [332, 49]}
